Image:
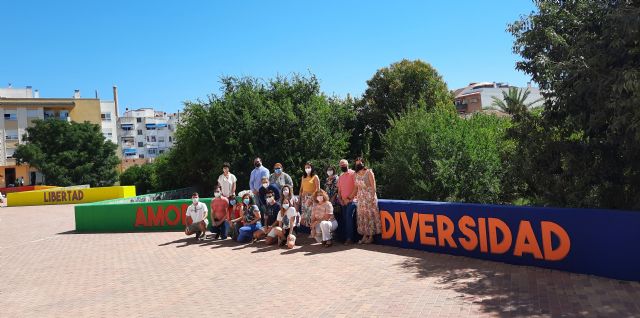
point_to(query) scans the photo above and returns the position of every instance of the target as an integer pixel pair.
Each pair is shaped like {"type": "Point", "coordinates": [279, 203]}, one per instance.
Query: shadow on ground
{"type": "Point", "coordinates": [497, 288]}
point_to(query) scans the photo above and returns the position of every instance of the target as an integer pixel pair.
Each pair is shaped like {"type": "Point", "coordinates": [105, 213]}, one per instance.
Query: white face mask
{"type": "Point", "coordinates": [195, 200]}
{"type": "Point", "coordinates": [320, 198]}
{"type": "Point", "coordinates": [329, 173]}
{"type": "Point", "coordinates": [285, 206]}
{"type": "Point", "coordinates": [217, 194]}
{"type": "Point", "coordinates": [285, 191]}
{"type": "Point", "coordinates": [265, 185]}
{"type": "Point", "coordinates": [308, 170]}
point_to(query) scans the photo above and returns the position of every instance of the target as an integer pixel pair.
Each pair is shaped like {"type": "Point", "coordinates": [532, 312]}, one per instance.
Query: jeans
{"type": "Point", "coordinates": [222, 229]}
{"type": "Point", "coordinates": [246, 232]}
{"type": "Point", "coordinates": [347, 221]}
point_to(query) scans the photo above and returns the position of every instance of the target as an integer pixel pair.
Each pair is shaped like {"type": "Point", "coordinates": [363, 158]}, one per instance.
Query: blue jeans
{"type": "Point", "coordinates": [246, 232]}
{"type": "Point", "coordinates": [222, 229]}
{"type": "Point", "coordinates": [347, 225]}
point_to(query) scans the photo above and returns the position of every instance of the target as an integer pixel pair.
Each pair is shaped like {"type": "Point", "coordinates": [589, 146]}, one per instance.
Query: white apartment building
{"type": "Point", "coordinates": [146, 133]}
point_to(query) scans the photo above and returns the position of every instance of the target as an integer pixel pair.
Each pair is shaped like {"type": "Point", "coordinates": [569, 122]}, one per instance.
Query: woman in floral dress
{"type": "Point", "coordinates": [368, 213]}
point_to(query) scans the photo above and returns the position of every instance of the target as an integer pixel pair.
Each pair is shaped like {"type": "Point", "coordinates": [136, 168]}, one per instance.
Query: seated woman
{"type": "Point", "coordinates": [251, 222]}
{"type": "Point", "coordinates": [284, 227]}
{"type": "Point", "coordinates": [322, 219]}
{"type": "Point", "coordinates": [236, 206]}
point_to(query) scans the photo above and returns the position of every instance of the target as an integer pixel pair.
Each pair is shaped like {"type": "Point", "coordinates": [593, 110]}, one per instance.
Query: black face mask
{"type": "Point", "coordinates": [344, 169]}
{"type": "Point", "coordinates": [359, 167]}
{"type": "Point", "coordinates": [257, 164]}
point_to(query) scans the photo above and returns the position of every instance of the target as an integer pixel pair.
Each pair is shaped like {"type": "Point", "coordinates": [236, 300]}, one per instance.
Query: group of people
{"type": "Point", "coordinates": [335, 209]}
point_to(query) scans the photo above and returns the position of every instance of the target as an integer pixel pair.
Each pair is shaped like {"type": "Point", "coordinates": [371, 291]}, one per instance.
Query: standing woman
{"type": "Point", "coordinates": [309, 185]}
{"type": "Point", "coordinates": [367, 211]}
{"type": "Point", "coordinates": [331, 186]}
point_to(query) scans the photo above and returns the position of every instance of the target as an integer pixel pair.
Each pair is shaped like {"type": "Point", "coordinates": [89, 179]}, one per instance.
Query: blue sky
{"type": "Point", "coordinates": [160, 54]}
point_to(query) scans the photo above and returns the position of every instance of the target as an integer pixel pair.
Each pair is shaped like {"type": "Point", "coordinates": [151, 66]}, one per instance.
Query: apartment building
{"type": "Point", "coordinates": [146, 133]}
{"type": "Point", "coordinates": [20, 106]}
{"type": "Point", "coordinates": [479, 96]}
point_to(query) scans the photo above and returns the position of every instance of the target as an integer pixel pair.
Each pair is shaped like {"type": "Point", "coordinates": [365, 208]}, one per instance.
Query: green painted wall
{"type": "Point", "coordinates": [133, 217]}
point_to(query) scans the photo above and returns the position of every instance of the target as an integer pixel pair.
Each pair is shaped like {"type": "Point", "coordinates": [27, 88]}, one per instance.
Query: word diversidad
{"type": "Point", "coordinates": [487, 235]}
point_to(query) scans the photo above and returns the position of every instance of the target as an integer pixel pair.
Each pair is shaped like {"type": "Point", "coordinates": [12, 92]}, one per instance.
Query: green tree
{"type": "Point", "coordinates": [439, 156]}
{"type": "Point", "coordinates": [514, 101]}
{"type": "Point", "coordinates": [140, 176]}
{"type": "Point", "coordinates": [583, 151]}
{"type": "Point", "coordinates": [285, 120]}
{"type": "Point", "coordinates": [69, 153]}
{"type": "Point", "coordinates": [392, 91]}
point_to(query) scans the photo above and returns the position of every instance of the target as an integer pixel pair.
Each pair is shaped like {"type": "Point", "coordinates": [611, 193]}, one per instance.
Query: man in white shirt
{"type": "Point", "coordinates": [197, 218]}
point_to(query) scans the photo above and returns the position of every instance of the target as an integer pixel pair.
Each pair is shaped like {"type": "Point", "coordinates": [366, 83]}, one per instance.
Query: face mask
{"type": "Point", "coordinates": [278, 170]}
{"type": "Point", "coordinates": [195, 200]}
{"type": "Point", "coordinates": [307, 170]}
{"type": "Point", "coordinates": [257, 164]}
{"type": "Point", "coordinates": [344, 169]}
{"type": "Point", "coordinates": [359, 167]}
{"type": "Point", "coordinates": [285, 206]}
{"type": "Point", "coordinates": [320, 199]}
{"type": "Point", "coordinates": [330, 173]}
{"type": "Point", "coordinates": [285, 191]}
{"type": "Point", "coordinates": [270, 200]}
{"type": "Point", "coordinates": [232, 202]}
{"type": "Point", "coordinates": [246, 201]}
{"type": "Point", "coordinates": [217, 194]}
{"type": "Point", "coordinates": [265, 185]}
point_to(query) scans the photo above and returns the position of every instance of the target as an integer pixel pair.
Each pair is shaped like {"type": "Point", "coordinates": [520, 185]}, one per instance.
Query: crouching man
{"type": "Point", "coordinates": [197, 218]}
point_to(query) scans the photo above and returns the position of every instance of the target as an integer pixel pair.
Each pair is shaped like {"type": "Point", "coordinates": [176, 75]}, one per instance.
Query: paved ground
{"type": "Point", "coordinates": [47, 270]}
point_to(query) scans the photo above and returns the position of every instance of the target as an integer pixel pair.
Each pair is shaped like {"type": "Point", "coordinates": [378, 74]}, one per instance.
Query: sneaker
{"type": "Point", "coordinates": [200, 236]}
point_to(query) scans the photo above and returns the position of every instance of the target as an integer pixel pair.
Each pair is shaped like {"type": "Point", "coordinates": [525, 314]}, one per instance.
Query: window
{"type": "Point", "coordinates": [141, 156]}
{"type": "Point", "coordinates": [160, 139]}
{"type": "Point", "coordinates": [106, 116]}
{"type": "Point", "coordinates": [161, 151]}
{"type": "Point", "coordinates": [11, 134]}
{"type": "Point", "coordinates": [169, 138]}
{"type": "Point", "coordinates": [33, 113]}
{"type": "Point", "coordinates": [107, 135]}
{"type": "Point", "coordinates": [153, 138]}
{"type": "Point", "coordinates": [139, 132]}
{"type": "Point", "coordinates": [10, 152]}
{"type": "Point", "coordinates": [152, 151]}
{"type": "Point", "coordinates": [138, 120]}
{"type": "Point", "coordinates": [11, 116]}
{"type": "Point", "coordinates": [140, 144]}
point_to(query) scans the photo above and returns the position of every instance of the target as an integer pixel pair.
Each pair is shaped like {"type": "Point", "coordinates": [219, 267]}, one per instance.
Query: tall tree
{"type": "Point", "coordinates": [285, 120]}
{"type": "Point", "coordinates": [69, 153]}
{"type": "Point", "coordinates": [395, 89]}
{"type": "Point", "coordinates": [584, 149]}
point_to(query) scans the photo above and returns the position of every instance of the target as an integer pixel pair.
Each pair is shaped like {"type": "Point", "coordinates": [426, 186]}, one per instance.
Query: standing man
{"type": "Point", "coordinates": [219, 210]}
{"type": "Point", "coordinates": [197, 218]}
{"type": "Point", "coordinates": [255, 180]}
{"type": "Point", "coordinates": [280, 178]}
{"type": "Point", "coordinates": [227, 182]}
{"type": "Point", "coordinates": [346, 184]}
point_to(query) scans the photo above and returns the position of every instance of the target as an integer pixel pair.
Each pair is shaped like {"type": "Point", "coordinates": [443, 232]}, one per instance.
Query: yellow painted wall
{"type": "Point", "coordinates": [86, 110]}
{"type": "Point", "coordinates": [21, 171]}
{"type": "Point", "coordinates": [69, 196]}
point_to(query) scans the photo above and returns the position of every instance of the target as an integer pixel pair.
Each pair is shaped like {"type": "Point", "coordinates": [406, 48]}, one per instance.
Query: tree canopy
{"type": "Point", "coordinates": [286, 120]}
{"type": "Point", "coordinates": [585, 55]}
{"type": "Point", "coordinates": [69, 153]}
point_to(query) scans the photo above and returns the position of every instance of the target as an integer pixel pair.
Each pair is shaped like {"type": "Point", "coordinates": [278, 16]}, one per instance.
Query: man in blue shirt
{"type": "Point", "coordinates": [255, 181]}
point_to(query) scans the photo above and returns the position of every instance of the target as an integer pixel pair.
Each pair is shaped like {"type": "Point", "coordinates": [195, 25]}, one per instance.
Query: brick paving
{"type": "Point", "coordinates": [47, 270]}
